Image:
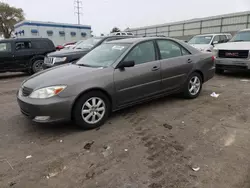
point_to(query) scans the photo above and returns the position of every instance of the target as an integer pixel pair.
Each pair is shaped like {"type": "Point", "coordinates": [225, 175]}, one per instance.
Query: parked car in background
{"type": "Point", "coordinates": [24, 55]}
{"type": "Point", "coordinates": [72, 55]}
{"type": "Point", "coordinates": [206, 43]}
{"type": "Point", "coordinates": [66, 45]}
{"type": "Point", "coordinates": [235, 54]}
{"type": "Point", "coordinates": [113, 76]}
{"type": "Point", "coordinates": [122, 33]}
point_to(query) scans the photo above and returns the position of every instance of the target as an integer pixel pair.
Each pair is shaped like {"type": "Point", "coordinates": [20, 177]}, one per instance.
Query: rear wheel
{"type": "Point", "coordinates": [37, 66]}
{"type": "Point", "coordinates": [193, 86]}
{"type": "Point", "coordinates": [91, 110]}
{"type": "Point", "coordinates": [219, 71]}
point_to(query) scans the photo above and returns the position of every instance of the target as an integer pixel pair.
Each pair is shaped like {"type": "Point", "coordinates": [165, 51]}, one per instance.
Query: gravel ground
{"type": "Point", "coordinates": [154, 145]}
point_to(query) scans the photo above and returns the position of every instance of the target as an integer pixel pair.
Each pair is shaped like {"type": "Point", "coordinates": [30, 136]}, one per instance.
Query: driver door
{"type": "Point", "coordinates": [143, 80]}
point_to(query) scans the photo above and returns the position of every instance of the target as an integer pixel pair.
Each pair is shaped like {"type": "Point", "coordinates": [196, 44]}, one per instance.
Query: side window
{"type": "Point", "coordinates": [142, 53]}
{"type": "Point", "coordinates": [23, 45]}
{"type": "Point", "coordinates": [41, 44]}
{"type": "Point", "coordinates": [185, 52]}
{"type": "Point", "coordinates": [169, 49]}
{"type": "Point", "coordinates": [216, 38]}
{"type": "Point", "coordinates": [5, 47]}
{"type": "Point", "coordinates": [222, 38]}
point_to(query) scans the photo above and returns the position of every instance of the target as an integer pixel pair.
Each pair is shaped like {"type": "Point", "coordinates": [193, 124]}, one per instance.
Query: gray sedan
{"type": "Point", "coordinates": [113, 76]}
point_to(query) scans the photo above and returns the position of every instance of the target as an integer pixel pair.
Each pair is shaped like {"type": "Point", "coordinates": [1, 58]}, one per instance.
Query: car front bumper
{"type": "Point", "coordinates": [232, 64]}
{"type": "Point", "coordinates": [49, 110]}
{"type": "Point", "coordinates": [47, 66]}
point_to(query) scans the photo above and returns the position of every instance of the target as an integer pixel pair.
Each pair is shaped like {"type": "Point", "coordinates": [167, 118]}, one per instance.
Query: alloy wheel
{"type": "Point", "coordinates": [194, 85]}
{"type": "Point", "coordinates": [93, 110]}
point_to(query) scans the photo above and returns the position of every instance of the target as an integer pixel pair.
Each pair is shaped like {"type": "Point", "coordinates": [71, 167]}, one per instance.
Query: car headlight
{"type": "Point", "coordinates": [59, 59]}
{"type": "Point", "coordinates": [46, 92]}
{"type": "Point", "coordinates": [215, 52]}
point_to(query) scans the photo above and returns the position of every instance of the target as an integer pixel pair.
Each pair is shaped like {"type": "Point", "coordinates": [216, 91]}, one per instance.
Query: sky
{"type": "Point", "coordinates": [103, 15]}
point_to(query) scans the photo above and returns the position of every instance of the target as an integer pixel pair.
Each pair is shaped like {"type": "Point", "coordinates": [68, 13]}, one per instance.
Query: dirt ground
{"type": "Point", "coordinates": [154, 145]}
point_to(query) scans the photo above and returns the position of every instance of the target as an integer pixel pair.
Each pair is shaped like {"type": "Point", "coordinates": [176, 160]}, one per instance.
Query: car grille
{"type": "Point", "coordinates": [49, 60]}
{"type": "Point", "coordinates": [26, 91]}
{"type": "Point", "coordinates": [233, 54]}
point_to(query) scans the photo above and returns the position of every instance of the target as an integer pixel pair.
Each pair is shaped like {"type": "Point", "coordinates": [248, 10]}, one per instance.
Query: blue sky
{"type": "Point", "coordinates": [103, 15]}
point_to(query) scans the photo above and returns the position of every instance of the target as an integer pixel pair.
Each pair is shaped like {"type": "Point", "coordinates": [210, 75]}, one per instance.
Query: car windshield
{"type": "Point", "coordinates": [88, 43]}
{"type": "Point", "coordinates": [206, 39]}
{"type": "Point", "coordinates": [241, 36]}
{"type": "Point", "coordinates": [104, 55]}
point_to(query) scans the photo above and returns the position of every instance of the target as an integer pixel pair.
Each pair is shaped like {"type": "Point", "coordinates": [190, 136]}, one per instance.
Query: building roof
{"type": "Point", "coordinates": [51, 24]}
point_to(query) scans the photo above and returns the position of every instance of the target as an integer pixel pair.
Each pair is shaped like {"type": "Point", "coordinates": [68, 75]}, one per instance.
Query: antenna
{"type": "Point", "coordinates": [78, 7]}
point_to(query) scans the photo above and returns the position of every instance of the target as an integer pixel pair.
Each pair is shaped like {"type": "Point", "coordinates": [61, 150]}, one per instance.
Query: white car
{"type": "Point", "coordinates": [235, 54]}
{"type": "Point", "coordinates": [206, 43]}
{"type": "Point", "coordinates": [123, 33]}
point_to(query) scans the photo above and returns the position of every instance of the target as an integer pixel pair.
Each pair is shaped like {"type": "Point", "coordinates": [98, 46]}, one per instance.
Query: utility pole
{"type": "Point", "coordinates": [78, 7]}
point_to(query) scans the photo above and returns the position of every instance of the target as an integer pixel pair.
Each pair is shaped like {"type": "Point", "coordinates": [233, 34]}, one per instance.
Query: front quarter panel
{"type": "Point", "coordinates": [102, 79]}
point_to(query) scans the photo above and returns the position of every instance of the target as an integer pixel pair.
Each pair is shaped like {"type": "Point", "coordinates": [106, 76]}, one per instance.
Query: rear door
{"type": "Point", "coordinates": [176, 63]}
{"type": "Point", "coordinates": [6, 55]}
{"type": "Point", "coordinates": [142, 80]}
{"type": "Point", "coordinates": [23, 54]}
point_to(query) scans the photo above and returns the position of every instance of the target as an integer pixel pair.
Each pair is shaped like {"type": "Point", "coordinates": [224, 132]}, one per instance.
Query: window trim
{"type": "Point", "coordinates": [150, 40]}
{"type": "Point", "coordinates": [11, 47]}
{"type": "Point", "coordinates": [24, 48]}
{"type": "Point", "coordinates": [179, 45]}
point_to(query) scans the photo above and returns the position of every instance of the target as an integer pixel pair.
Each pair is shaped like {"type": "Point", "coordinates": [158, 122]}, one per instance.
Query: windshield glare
{"type": "Point", "coordinates": [201, 40]}
{"type": "Point", "coordinates": [104, 55]}
{"type": "Point", "coordinates": [241, 36]}
{"type": "Point", "coordinates": [88, 43]}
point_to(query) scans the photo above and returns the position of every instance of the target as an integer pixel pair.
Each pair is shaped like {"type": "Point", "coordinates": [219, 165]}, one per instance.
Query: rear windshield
{"type": "Point", "coordinates": [206, 39]}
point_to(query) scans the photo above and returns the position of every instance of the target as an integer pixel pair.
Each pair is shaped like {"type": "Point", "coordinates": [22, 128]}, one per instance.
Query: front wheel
{"type": "Point", "coordinates": [193, 86]}
{"type": "Point", "coordinates": [91, 110]}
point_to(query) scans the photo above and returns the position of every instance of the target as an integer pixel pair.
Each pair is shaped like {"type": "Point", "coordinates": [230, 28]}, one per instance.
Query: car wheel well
{"type": "Point", "coordinates": [88, 91]}
{"type": "Point", "coordinates": [200, 73]}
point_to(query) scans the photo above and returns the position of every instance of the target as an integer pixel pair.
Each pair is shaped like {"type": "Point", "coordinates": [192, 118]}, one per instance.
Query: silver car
{"type": "Point", "coordinates": [113, 76]}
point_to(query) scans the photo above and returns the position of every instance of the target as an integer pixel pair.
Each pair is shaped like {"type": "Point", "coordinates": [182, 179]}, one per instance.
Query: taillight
{"type": "Point", "coordinates": [213, 58]}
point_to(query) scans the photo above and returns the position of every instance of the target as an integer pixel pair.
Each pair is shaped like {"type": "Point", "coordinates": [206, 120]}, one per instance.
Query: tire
{"type": "Point", "coordinates": [219, 71]}
{"type": "Point", "coordinates": [192, 94]}
{"type": "Point", "coordinates": [37, 66]}
{"type": "Point", "coordinates": [85, 122]}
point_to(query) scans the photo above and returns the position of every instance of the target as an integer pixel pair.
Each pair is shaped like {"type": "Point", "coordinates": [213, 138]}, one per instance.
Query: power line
{"type": "Point", "coordinates": [78, 8]}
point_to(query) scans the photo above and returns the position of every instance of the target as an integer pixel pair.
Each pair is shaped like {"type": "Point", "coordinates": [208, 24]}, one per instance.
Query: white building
{"type": "Point", "coordinates": [59, 33]}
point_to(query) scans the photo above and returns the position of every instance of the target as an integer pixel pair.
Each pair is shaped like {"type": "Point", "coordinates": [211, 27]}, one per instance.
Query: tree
{"type": "Point", "coordinates": [115, 29]}
{"type": "Point", "coordinates": [9, 16]}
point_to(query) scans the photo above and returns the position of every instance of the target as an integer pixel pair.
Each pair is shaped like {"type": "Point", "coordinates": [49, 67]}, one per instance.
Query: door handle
{"type": "Point", "coordinates": [189, 61]}
{"type": "Point", "coordinates": [155, 68]}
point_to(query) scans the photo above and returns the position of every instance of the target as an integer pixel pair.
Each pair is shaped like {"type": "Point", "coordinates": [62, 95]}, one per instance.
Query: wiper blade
{"type": "Point", "coordinates": [84, 65]}
{"type": "Point", "coordinates": [237, 41]}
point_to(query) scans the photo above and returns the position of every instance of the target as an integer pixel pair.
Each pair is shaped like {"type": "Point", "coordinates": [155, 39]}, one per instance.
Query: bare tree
{"type": "Point", "coordinates": [9, 16]}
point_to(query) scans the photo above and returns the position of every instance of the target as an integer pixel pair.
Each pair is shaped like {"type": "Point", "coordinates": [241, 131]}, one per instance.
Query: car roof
{"type": "Point", "coordinates": [213, 34]}
{"type": "Point", "coordinates": [23, 39]}
{"type": "Point", "coordinates": [139, 39]}
{"type": "Point", "coordinates": [245, 30]}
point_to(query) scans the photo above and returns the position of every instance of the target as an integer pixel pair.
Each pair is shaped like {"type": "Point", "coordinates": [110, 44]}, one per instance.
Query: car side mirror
{"type": "Point", "coordinates": [215, 42]}
{"type": "Point", "coordinates": [124, 64]}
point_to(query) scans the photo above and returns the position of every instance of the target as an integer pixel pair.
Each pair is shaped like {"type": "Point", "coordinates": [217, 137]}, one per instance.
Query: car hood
{"type": "Point", "coordinates": [62, 75]}
{"type": "Point", "coordinates": [67, 52]}
{"type": "Point", "coordinates": [201, 47]}
{"type": "Point", "coordinates": [233, 46]}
